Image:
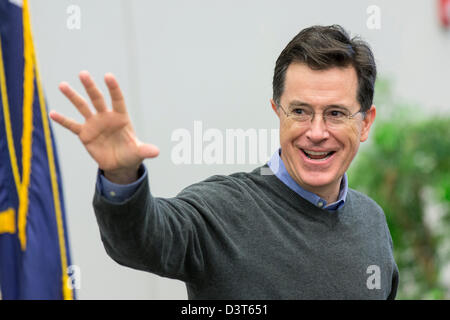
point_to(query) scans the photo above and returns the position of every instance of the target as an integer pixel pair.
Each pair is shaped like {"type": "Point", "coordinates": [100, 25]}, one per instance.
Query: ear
{"type": "Point", "coordinates": [275, 108]}
{"type": "Point", "coordinates": [367, 123]}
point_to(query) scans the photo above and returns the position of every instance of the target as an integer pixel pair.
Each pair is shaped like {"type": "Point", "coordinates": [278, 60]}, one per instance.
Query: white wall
{"type": "Point", "coordinates": [181, 61]}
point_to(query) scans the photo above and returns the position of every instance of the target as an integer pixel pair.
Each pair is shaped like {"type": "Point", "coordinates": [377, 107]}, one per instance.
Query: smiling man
{"type": "Point", "coordinates": [297, 233]}
{"type": "Point", "coordinates": [317, 150]}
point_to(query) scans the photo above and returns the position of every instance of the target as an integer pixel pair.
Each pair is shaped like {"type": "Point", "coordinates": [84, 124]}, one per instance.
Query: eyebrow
{"type": "Point", "coordinates": [298, 103]}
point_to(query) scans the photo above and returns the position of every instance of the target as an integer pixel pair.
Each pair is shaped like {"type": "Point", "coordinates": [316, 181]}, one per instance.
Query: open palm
{"type": "Point", "coordinates": [107, 135]}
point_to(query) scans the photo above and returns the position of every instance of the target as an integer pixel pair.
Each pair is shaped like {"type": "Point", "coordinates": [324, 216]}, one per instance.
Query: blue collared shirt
{"type": "Point", "coordinates": [277, 166]}
{"type": "Point", "coordinates": [119, 192]}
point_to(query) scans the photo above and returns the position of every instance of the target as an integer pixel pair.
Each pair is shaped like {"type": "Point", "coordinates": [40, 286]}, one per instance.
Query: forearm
{"type": "Point", "coordinates": [150, 234]}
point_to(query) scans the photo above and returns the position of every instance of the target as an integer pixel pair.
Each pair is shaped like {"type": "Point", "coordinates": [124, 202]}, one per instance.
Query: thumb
{"type": "Point", "coordinates": [148, 151]}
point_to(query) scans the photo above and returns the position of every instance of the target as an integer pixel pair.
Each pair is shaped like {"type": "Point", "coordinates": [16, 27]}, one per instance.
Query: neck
{"type": "Point", "coordinates": [329, 196]}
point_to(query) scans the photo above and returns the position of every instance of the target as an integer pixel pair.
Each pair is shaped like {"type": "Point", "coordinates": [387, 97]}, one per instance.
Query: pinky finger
{"type": "Point", "coordinates": [65, 122]}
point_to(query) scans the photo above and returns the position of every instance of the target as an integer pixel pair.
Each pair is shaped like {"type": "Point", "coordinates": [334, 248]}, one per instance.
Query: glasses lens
{"type": "Point", "coordinates": [336, 123]}
{"type": "Point", "coordinates": [300, 114]}
{"type": "Point", "coordinates": [334, 118]}
{"type": "Point", "coordinates": [337, 118]}
{"type": "Point", "coordinates": [301, 117]}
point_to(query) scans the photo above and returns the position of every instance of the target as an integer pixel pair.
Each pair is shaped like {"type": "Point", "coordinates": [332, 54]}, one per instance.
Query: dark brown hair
{"type": "Point", "coordinates": [324, 47]}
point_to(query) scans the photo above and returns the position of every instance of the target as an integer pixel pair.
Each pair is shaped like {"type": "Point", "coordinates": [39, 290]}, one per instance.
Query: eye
{"type": "Point", "coordinates": [336, 113]}
{"type": "Point", "coordinates": [298, 111]}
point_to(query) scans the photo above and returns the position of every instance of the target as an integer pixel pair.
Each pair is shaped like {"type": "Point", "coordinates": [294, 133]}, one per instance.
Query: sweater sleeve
{"type": "Point", "coordinates": [153, 234]}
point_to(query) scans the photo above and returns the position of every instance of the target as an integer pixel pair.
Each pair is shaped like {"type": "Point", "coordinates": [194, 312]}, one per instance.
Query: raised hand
{"type": "Point", "coordinates": [108, 134]}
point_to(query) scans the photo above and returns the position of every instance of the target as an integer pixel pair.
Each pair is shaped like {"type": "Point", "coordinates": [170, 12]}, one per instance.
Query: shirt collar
{"type": "Point", "coordinates": [277, 166]}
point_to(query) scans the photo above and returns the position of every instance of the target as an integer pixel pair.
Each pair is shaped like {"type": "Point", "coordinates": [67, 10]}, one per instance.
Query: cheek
{"type": "Point", "coordinates": [289, 133]}
{"type": "Point", "coordinates": [352, 134]}
{"type": "Point", "coordinates": [355, 132]}
{"type": "Point", "coordinates": [284, 135]}
{"type": "Point", "coordinates": [346, 139]}
{"type": "Point", "coordinates": [352, 140]}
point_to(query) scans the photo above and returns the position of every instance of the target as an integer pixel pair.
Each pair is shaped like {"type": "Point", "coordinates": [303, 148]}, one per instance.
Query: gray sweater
{"type": "Point", "coordinates": [249, 236]}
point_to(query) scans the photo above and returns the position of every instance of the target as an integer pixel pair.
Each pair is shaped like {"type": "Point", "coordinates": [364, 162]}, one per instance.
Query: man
{"type": "Point", "coordinates": [297, 233]}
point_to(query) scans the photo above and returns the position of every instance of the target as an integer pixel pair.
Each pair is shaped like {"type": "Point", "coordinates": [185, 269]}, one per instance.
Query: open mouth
{"type": "Point", "coordinates": [319, 156]}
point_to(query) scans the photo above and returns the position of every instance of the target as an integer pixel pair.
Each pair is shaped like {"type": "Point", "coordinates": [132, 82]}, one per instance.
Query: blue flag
{"type": "Point", "coordinates": [34, 251]}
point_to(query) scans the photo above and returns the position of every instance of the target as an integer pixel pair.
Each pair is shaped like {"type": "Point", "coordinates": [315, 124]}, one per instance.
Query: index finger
{"type": "Point", "coordinates": [76, 99]}
{"type": "Point", "coordinates": [117, 99]}
{"type": "Point", "coordinates": [93, 92]}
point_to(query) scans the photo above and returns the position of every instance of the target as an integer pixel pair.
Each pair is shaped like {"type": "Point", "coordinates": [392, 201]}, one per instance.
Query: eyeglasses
{"type": "Point", "coordinates": [333, 117]}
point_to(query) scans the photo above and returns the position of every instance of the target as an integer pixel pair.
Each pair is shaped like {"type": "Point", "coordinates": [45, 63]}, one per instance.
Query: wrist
{"type": "Point", "coordinates": [122, 176]}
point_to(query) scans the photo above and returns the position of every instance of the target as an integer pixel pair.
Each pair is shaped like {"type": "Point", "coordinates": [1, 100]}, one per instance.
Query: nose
{"type": "Point", "coordinates": [317, 130]}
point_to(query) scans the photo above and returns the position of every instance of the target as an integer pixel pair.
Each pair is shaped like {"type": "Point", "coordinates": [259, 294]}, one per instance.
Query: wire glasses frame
{"type": "Point", "coordinates": [332, 117]}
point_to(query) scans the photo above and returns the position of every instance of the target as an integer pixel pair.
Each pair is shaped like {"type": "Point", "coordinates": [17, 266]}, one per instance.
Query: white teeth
{"type": "Point", "coordinates": [322, 159]}
{"type": "Point", "coordinates": [313, 153]}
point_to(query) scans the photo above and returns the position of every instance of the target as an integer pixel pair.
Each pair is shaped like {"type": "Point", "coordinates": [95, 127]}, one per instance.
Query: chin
{"type": "Point", "coordinates": [317, 179]}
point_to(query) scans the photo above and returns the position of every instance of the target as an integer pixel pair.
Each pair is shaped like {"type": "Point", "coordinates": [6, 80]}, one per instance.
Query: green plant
{"type": "Point", "coordinates": [405, 169]}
